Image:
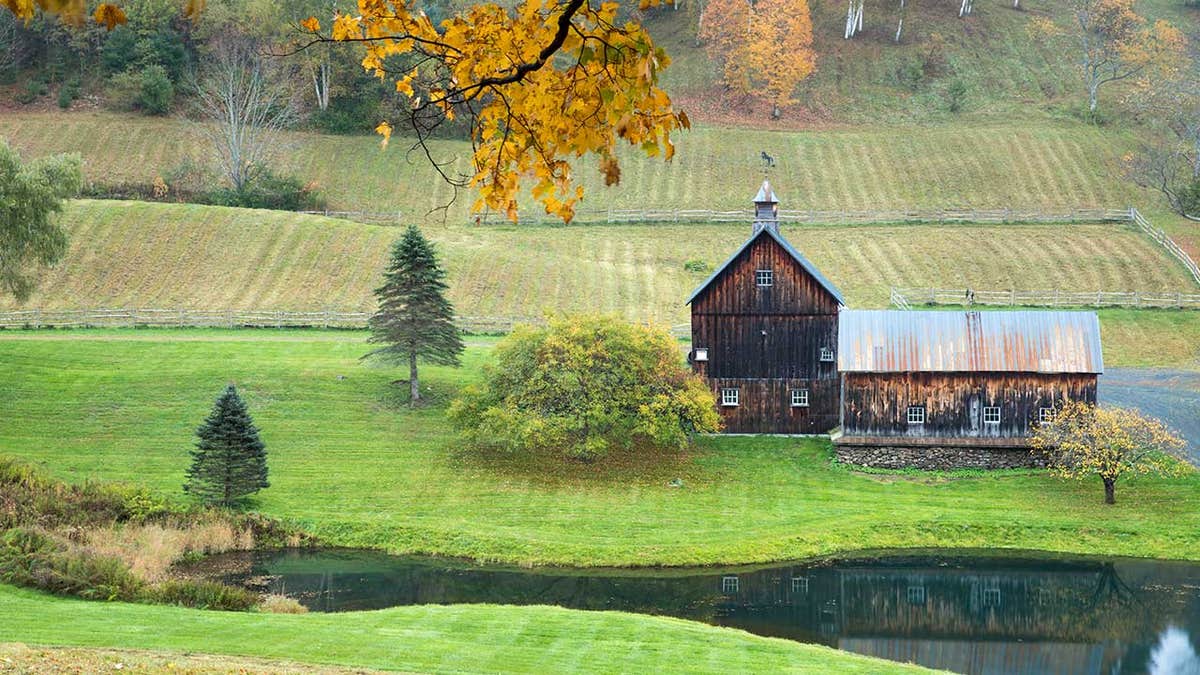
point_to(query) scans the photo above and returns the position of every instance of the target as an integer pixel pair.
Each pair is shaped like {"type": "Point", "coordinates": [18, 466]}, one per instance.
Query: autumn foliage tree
{"type": "Point", "coordinates": [1084, 440]}
{"type": "Point", "coordinates": [583, 387]}
{"type": "Point", "coordinates": [1114, 43]}
{"type": "Point", "coordinates": [765, 48]}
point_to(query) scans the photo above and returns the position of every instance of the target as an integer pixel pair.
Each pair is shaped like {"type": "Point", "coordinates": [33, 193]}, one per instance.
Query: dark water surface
{"type": "Point", "coordinates": [966, 613]}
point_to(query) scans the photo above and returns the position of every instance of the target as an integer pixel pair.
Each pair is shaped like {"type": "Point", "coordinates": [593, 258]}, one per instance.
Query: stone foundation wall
{"type": "Point", "coordinates": [937, 458]}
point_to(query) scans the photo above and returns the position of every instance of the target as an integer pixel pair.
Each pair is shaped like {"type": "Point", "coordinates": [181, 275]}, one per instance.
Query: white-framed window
{"type": "Point", "coordinates": [799, 398]}
{"type": "Point", "coordinates": [826, 354]}
{"type": "Point", "coordinates": [701, 354]}
{"type": "Point", "coordinates": [729, 584]}
{"type": "Point", "coordinates": [916, 414]}
{"type": "Point", "coordinates": [991, 597]}
{"type": "Point", "coordinates": [991, 414]}
{"type": "Point", "coordinates": [1045, 414]}
{"type": "Point", "coordinates": [800, 585]}
{"type": "Point", "coordinates": [916, 595]}
{"type": "Point", "coordinates": [730, 396]}
{"type": "Point", "coordinates": [764, 277]}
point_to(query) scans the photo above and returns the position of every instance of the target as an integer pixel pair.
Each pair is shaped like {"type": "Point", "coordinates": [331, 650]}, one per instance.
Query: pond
{"type": "Point", "coordinates": [967, 613]}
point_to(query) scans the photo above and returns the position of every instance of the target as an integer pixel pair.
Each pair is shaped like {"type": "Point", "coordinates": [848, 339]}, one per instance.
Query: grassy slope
{"type": "Point", "coordinates": [458, 638]}
{"type": "Point", "coordinates": [993, 164]}
{"type": "Point", "coordinates": [131, 254]}
{"type": "Point", "coordinates": [350, 462]}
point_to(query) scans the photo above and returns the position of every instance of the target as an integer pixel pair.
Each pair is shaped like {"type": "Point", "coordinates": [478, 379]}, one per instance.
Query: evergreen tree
{"type": "Point", "coordinates": [414, 319]}
{"type": "Point", "coordinates": [229, 462]}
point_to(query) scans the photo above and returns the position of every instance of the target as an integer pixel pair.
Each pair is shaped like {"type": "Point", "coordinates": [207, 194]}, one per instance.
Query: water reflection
{"type": "Point", "coordinates": [967, 614]}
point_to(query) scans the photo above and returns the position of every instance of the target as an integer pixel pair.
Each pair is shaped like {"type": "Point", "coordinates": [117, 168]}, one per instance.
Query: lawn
{"type": "Point", "coordinates": [351, 463]}
{"type": "Point", "coordinates": [136, 254]}
{"type": "Point", "coordinates": [457, 638]}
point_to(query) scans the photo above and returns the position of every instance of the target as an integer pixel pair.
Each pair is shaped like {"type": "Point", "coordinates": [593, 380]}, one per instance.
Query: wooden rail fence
{"type": "Point", "coordinates": [238, 318]}
{"type": "Point", "coordinates": [809, 216]}
{"type": "Point", "coordinates": [225, 318]}
{"type": "Point", "coordinates": [905, 298]}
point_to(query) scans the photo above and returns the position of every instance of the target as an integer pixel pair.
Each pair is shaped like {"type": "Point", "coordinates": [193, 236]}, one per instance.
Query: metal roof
{"type": "Point", "coordinates": [765, 194]}
{"type": "Point", "coordinates": [930, 341]}
{"type": "Point", "coordinates": [808, 266]}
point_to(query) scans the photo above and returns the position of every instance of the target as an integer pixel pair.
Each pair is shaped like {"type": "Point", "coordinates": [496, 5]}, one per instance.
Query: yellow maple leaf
{"type": "Point", "coordinates": [384, 129]}
{"type": "Point", "coordinates": [109, 16]}
{"type": "Point", "coordinates": [311, 24]}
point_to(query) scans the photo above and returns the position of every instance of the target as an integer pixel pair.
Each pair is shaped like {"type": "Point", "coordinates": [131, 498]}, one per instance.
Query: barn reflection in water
{"type": "Point", "coordinates": [966, 614]}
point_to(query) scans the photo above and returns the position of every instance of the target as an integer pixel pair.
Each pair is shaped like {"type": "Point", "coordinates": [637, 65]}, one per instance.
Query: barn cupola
{"type": "Point", "coordinates": [766, 209]}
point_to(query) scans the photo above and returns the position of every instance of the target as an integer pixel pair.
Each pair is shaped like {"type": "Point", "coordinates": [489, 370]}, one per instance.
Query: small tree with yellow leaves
{"type": "Point", "coordinates": [1084, 440]}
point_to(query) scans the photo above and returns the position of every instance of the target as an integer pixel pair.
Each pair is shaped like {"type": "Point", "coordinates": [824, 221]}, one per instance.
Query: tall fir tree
{"type": "Point", "coordinates": [230, 461]}
{"type": "Point", "coordinates": [414, 320]}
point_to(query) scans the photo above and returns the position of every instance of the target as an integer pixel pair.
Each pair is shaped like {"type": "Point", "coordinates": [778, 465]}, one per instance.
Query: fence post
{"type": "Point", "coordinates": [1012, 297]}
{"type": "Point", "coordinates": [181, 318]}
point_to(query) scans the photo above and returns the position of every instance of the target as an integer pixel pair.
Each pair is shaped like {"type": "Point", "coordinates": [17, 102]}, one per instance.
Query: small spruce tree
{"type": "Point", "coordinates": [230, 461]}
{"type": "Point", "coordinates": [414, 320]}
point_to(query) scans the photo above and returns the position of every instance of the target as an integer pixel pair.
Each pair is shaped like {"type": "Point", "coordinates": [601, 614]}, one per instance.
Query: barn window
{"type": "Point", "coordinates": [916, 595]}
{"type": "Point", "coordinates": [729, 584]}
{"type": "Point", "coordinates": [764, 277]}
{"type": "Point", "coordinates": [800, 585]}
{"type": "Point", "coordinates": [916, 414]}
{"type": "Point", "coordinates": [799, 398]}
{"type": "Point", "coordinates": [826, 354]}
{"type": "Point", "coordinates": [991, 415]}
{"type": "Point", "coordinates": [701, 354]}
{"type": "Point", "coordinates": [730, 397]}
{"type": "Point", "coordinates": [1045, 414]}
{"type": "Point", "coordinates": [991, 597]}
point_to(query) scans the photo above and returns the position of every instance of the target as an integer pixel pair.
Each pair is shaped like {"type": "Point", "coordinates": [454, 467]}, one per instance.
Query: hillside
{"type": "Point", "coordinates": [870, 79]}
{"type": "Point", "coordinates": [1001, 164]}
{"type": "Point", "coordinates": [137, 254]}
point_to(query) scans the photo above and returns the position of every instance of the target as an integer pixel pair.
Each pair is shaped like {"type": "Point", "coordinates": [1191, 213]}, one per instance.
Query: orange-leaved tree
{"type": "Point", "coordinates": [543, 82]}
{"type": "Point", "coordinates": [765, 48]}
{"type": "Point", "coordinates": [1114, 43]}
{"type": "Point", "coordinates": [1084, 440]}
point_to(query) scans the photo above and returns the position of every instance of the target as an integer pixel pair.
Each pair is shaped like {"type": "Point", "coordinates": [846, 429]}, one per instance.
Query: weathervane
{"type": "Point", "coordinates": [768, 162]}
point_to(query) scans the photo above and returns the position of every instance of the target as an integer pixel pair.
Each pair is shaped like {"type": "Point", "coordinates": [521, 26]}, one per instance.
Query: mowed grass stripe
{"type": "Point", "coordinates": [129, 254]}
{"type": "Point", "coordinates": [1017, 164]}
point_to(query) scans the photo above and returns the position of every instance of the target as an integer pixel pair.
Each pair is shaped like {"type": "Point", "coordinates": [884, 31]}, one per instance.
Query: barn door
{"type": "Point", "coordinates": [976, 414]}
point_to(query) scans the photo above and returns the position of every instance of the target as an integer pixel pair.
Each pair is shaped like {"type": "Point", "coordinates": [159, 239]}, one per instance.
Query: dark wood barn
{"type": "Point", "coordinates": [764, 334]}
{"type": "Point", "coordinates": [941, 389]}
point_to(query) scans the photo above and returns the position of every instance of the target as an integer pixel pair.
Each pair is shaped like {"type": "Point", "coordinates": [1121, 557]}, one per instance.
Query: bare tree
{"type": "Point", "coordinates": [245, 99]}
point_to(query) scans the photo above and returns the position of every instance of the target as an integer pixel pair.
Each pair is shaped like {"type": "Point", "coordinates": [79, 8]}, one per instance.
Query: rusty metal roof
{"type": "Point", "coordinates": [889, 341]}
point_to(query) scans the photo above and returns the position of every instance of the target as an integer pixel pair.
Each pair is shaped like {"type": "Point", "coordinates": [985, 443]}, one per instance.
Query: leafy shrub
{"type": "Point", "coordinates": [68, 93]}
{"type": "Point", "coordinates": [270, 190]}
{"type": "Point", "coordinates": [955, 96]}
{"type": "Point", "coordinates": [202, 595]}
{"type": "Point", "coordinates": [31, 558]}
{"type": "Point", "coordinates": [697, 265]}
{"type": "Point", "coordinates": [1189, 199]}
{"type": "Point", "coordinates": [123, 91]}
{"type": "Point", "coordinates": [34, 89]}
{"type": "Point", "coordinates": [582, 386]}
{"type": "Point", "coordinates": [119, 51]}
{"type": "Point", "coordinates": [155, 91]}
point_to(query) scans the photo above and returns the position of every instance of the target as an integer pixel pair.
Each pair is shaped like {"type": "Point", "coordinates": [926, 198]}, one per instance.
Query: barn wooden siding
{"type": "Point", "coordinates": [765, 405]}
{"type": "Point", "coordinates": [766, 341]}
{"type": "Point", "coordinates": [876, 404]}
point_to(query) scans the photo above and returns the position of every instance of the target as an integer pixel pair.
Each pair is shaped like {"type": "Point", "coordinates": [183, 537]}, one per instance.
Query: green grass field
{"type": "Point", "coordinates": [133, 254]}
{"type": "Point", "coordinates": [432, 639]}
{"type": "Point", "coordinates": [352, 464]}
